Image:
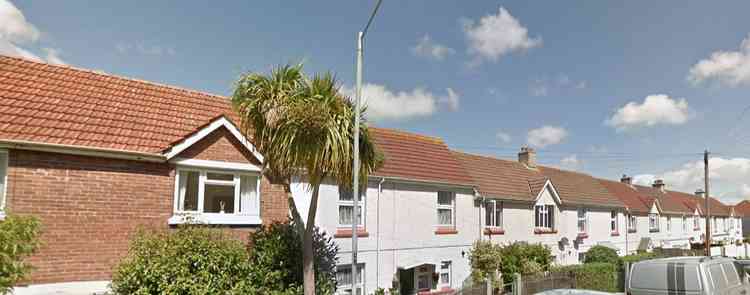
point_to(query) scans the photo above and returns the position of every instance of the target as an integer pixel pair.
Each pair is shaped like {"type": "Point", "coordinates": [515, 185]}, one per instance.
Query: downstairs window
{"type": "Point", "coordinates": [217, 197]}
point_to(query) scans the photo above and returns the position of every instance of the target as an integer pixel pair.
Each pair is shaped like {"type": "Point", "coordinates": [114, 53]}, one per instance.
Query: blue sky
{"type": "Point", "coordinates": [605, 87]}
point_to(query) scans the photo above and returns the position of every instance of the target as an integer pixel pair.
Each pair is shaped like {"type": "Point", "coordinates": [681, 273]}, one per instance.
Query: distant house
{"type": "Point", "coordinates": [742, 210]}
{"type": "Point", "coordinates": [95, 156]}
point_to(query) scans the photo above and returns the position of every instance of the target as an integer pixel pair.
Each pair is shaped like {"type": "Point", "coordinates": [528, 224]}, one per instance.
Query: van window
{"type": "Point", "coordinates": [717, 276]}
{"type": "Point", "coordinates": [674, 276]}
{"type": "Point", "coordinates": [732, 277]}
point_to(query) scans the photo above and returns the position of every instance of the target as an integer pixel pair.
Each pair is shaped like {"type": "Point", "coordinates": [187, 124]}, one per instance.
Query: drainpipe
{"type": "Point", "coordinates": [377, 234]}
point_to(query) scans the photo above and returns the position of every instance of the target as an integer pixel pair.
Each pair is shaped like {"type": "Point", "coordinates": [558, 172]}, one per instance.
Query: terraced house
{"type": "Point", "coordinates": [94, 156]}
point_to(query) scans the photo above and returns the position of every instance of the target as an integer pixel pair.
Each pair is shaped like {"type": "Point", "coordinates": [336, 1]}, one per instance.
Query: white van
{"type": "Point", "coordinates": [687, 276]}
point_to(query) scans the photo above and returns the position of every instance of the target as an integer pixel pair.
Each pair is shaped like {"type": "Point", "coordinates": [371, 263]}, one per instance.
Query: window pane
{"type": "Point", "coordinates": [346, 214]}
{"type": "Point", "coordinates": [488, 213]}
{"type": "Point", "coordinates": [345, 194]}
{"type": "Point", "coordinates": [499, 214]}
{"type": "Point", "coordinates": [717, 276]}
{"type": "Point", "coordinates": [218, 197]}
{"type": "Point", "coordinates": [189, 190]}
{"type": "Point", "coordinates": [445, 216]}
{"type": "Point", "coordinates": [445, 198]}
{"type": "Point", "coordinates": [550, 216]}
{"type": "Point", "coordinates": [220, 176]}
{"type": "Point", "coordinates": [538, 217]}
{"type": "Point", "coordinates": [249, 203]}
{"type": "Point", "coordinates": [731, 272]}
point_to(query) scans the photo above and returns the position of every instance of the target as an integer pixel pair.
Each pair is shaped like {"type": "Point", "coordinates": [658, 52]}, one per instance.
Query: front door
{"type": "Point", "coordinates": [406, 281]}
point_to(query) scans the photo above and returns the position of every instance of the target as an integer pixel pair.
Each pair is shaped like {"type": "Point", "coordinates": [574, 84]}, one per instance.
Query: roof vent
{"type": "Point", "coordinates": [527, 156]}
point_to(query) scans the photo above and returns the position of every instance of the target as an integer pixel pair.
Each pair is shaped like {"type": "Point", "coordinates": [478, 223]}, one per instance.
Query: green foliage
{"type": "Point", "coordinates": [190, 260]}
{"type": "Point", "coordinates": [19, 238]}
{"type": "Point", "coordinates": [390, 291]}
{"type": "Point", "coordinates": [524, 258]}
{"type": "Point", "coordinates": [485, 261]}
{"type": "Point", "coordinates": [602, 254]}
{"type": "Point", "coordinates": [277, 253]}
{"type": "Point", "coordinates": [594, 276]}
{"type": "Point", "coordinates": [638, 257]}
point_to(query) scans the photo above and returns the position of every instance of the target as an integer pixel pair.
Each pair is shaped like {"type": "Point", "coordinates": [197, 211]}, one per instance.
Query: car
{"type": "Point", "coordinates": [694, 275]}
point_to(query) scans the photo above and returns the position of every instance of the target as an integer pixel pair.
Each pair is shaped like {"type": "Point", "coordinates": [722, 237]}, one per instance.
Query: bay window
{"type": "Point", "coordinates": [493, 210]}
{"type": "Point", "coordinates": [346, 207]}
{"type": "Point", "coordinates": [445, 208]}
{"type": "Point", "coordinates": [653, 222]}
{"type": "Point", "coordinates": [3, 180]}
{"type": "Point", "coordinates": [582, 221]}
{"type": "Point", "coordinates": [632, 223]}
{"type": "Point", "coordinates": [613, 222]}
{"type": "Point", "coordinates": [217, 197]}
{"type": "Point", "coordinates": [344, 279]}
{"type": "Point", "coordinates": [544, 217]}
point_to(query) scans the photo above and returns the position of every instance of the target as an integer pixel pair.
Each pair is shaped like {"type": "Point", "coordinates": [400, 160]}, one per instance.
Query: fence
{"type": "Point", "coordinates": [532, 284]}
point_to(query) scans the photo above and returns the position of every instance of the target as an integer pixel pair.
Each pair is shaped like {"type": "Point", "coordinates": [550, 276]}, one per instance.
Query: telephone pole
{"type": "Point", "coordinates": [707, 204]}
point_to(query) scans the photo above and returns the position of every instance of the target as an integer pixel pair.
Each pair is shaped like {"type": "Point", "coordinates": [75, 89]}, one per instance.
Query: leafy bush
{"type": "Point", "coordinates": [594, 276]}
{"type": "Point", "coordinates": [485, 261]}
{"type": "Point", "coordinates": [638, 257]}
{"type": "Point", "coordinates": [19, 238]}
{"type": "Point", "coordinates": [277, 259]}
{"type": "Point", "coordinates": [523, 258]}
{"type": "Point", "coordinates": [602, 254]}
{"type": "Point", "coordinates": [190, 260]}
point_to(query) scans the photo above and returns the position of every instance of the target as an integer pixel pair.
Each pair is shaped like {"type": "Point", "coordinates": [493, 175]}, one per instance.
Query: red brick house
{"type": "Point", "coordinates": [95, 156]}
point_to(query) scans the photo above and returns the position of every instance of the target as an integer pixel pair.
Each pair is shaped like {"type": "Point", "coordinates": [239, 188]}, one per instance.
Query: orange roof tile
{"type": "Point", "coordinates": [498, 178]}
{"type": "Point", "coordinates": [634, 201]}
{"type": "Point", "coordinates": [742, 208]}
{"type": "Point", "coordinates": [580, 188]}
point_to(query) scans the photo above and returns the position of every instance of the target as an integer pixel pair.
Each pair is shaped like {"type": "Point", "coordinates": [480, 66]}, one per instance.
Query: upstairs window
{"type": "Point", "coordinates": [696, 223]}
{"type": "Point", "coordinates": [346, 207]}
{"type": "Point", "coordinates": [653, 222]}
{"type": "Point", "coordinates": [715, 229]}
{"type": "Point", "coordinates": [669, 223]}
{"type": "Point", "coordinates": [445, 208]}
{"type": "Point", "coordinates": [684, 224]}
{"type": "Point", "coordinates": [613, 224]}
{"type": "Point", "coordinates": [3, 179]}
{"type": "Point", "coordinates": [493, 210]}
{"type": "Point", "coordinates": [632, 223]}
{"type": "Point", "coordinates": [544, 217]}
{"type": "Point", "coordinates": [725, 224]}
{"type": "Point", "coordinates": [582, 220]}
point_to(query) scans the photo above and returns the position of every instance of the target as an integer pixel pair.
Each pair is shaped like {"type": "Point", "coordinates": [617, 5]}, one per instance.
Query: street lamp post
{"type": "Point", "coordinates": [355, 165]}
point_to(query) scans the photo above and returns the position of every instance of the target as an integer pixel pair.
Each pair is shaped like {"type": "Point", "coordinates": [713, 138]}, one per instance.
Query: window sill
{"type": "Point", "coordinates": [491, 231]}
{"type": "Point", "coordinates": [347, 233]}
{"type": "Point", "coordinates": [215, 219]}
{"type": "Point", "coordinates": [442, 291]}
{"type": "Point", "coordinates": [653, 230]}
{"type": "Point", "coordinates": [582, 236]}
{"type": "Point", "coordinates": [615, 234]}
{"type": "Point", "coordinates": [446, 231]}
{"type": "Point", "coordinates": [632, 231]}
{"type": "Point", "coordinates": [544, 231]}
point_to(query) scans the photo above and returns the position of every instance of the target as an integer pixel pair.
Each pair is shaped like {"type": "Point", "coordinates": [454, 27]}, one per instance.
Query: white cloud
{"type": "Point", "coordinates": [15, 30]}
{"type": "Point", "coordinates": [570, 162]}
{"type": "Point", "coordinates": [427, 48]}
{"type": "Point", "coordinates": [144, 49]}
{"type": "Point", "coordinates": [502, 137]}
{"type": "Point", "coordinates": [563, 83]}
{"type": "Point", "coordinates": [730, 178]}
{"type": "Point", "coordinates": [731, 68]}
{"type": "Point", "coordinates": [546, 135]}
{"type": "Point", "coordinates": [495, 35]}
{"type": "Point", "coordinates": [655, 109]}
{"type": "Point", "coordinates": [385, 104]}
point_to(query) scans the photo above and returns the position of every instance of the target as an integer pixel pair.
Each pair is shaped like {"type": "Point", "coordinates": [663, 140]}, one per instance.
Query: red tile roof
{"type": "Point", "coordinates": [580, 188]}
{"type": "Point", "coordinates": [417, 157]}
{"type": "Point", "coordinates": [634, 201]}
{"type": "Point", "coordinates": [70, 106]}
{"type": "Point", "coordinates": [498, 178]}
{"type": "Point", "coordinates": [742, 208]}
{"type": "Point", "coordinates": [667, 201]}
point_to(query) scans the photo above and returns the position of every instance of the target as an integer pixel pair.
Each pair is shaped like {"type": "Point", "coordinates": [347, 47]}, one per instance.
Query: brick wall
{"type": "Point", "coordinates": [90, 207]}
{"type": "Point", "coordinates": [220, 145]}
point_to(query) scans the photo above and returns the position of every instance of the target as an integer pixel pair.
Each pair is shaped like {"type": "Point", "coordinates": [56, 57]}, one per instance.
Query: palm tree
{"type": "Point", "coordinates": [303, 128]}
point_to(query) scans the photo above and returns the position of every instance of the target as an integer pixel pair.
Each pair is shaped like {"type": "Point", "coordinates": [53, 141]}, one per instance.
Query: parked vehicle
{"type": "Point", "coordinates": [688, 275]}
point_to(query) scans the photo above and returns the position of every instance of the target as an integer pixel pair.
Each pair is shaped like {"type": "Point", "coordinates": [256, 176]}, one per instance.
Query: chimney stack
{"type": "Point", "coordinates": [527, 156]}
{"type": "Point", "coordinates": [626, 179]}
{"type": "Point", "coordinates": [700, 193]}
{"type": "Point", "coordinates": [658, 184]}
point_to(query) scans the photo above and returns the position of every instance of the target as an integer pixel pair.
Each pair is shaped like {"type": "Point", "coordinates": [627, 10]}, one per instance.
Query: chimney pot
{"type": "Point", "coordinates": [700, 192]}
{"type": "Point", "coordinates": [527, 156]}
{"type": "Point", "coordinates": [626, 179]}
{"type": "Point", "coordinates": [659, 184]}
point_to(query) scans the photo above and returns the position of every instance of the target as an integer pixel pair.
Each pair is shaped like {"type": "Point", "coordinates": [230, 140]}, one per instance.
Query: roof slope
{"type": "Point", "coordinates": [579, 188]}
{"type": "Point", "coordinates": [497, 178]}
{"type": "Point", "coordinates": [417, 157]}
{"type": "Point", "coordinates": [668, 202]}
{"type": "Point", "coordinates": [742, 208]}
{"type": "Point", "coordinates": [64, 105]}
{"type": "Point", "coordinates": [634, 201]}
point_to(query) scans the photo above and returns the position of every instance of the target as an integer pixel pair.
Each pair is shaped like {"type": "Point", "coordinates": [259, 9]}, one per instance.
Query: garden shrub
{"type": "Point", "coordinates": [523, 258]}
{"type": "Point", "coordinates": [602, 254]}
{"type": "Point", "coordinates": [485, 261]}
{"type": "Point", "coordinates": [594, 276]}
{"type": "Point", "coordinates": [277, 259]}
{"type": "Point", "coordinates": [19, 238]}
{"type": "Point", "coordinates": [638, 257]}
{"type": "Point", "coordinates": [189, 260]}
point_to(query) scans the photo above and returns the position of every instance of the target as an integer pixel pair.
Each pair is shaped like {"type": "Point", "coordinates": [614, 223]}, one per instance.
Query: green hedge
{"type": "Point", "coordinates": [19, 238]}
{"type": "Point", "coordinates": [604, 277]}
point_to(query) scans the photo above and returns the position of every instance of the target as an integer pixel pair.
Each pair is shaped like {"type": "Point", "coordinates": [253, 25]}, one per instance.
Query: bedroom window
{"type": "Point", "coordinates": [445, 206]}
{"type": "Point", "coordinates": [493, 210]}
{"type": "Point", "coordinates": [613, 222]}
{"type": "Point", "coordinates": [544, 217]}
{"type": "Point", "coordinates": [582, 221]}
{"type": "Point", "coordinates": [346, 207]}
{"type": "Point", "coordinates": [218, 197]}
{"type": "Point", "coordinates": [653, 222]}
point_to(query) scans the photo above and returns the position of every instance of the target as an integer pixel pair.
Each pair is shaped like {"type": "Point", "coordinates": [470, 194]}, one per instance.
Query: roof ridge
{"type": "Point", "coordinates": [435, 139]}
{"type": "Point", "coordinates": [121, 77]}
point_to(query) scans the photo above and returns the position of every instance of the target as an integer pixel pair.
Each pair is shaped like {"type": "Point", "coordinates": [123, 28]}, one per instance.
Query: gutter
{"type": "Point", "coordinates": [416, 181]}
{"type": "Point", "coordinates": [82, 151]}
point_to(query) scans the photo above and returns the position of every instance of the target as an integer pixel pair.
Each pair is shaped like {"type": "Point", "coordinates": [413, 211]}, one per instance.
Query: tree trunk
{"type": "Point", "coordinates": [308, 259]}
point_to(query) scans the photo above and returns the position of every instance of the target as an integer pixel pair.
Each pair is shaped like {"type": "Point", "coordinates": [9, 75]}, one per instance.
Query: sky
{"type": "Point", "coordinates": [604, 87]}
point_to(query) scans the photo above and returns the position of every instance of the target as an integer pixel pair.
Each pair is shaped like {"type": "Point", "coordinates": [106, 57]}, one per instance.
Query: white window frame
{"type": "Point", "coordinates": [582, 220]}
{"type": "Point", "coordinates": [542, 218]}
{"type": "Point", "coordinates": [343, 289]}
{"type": "Point", "coordinates": [725, 224]}
{"type": "Point", "coordinates": [451, 207]}
{"type": "Point", "coordinates": [632, 223]}
{"type": "Point", "coordinates": [449, 272]}
{"type": "Point", "coordinates": [4, 177]}
{"type": "Point", "coordinates": [614, 222]}
{"type": "Point", "coordinates": [696, 223]}
{"type": "Point", "coordinates": [228, 218]}
{"type": "Point", "coordinates": [494, 223]}
{"type": "Point", "coordinates": [669, 224]}
{"type": "Point", "coordinates": [684, 224]}
{"type": "Point", "coordinates": [653, 222]}
{"type": "Point", "coordinates": [715, 229]}
{"type": "Point", "coordinates": [362, 205]}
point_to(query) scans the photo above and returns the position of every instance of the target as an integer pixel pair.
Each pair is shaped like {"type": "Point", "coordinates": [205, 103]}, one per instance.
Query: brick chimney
{"type": "Point", "coordinates": [658, 184]}
{"type": "Point", "coordinates": [527, 156]}
{"type": "Point", "coordinates": [700, 193]}
{"type": "Point", "coordinates": [626, 179]}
